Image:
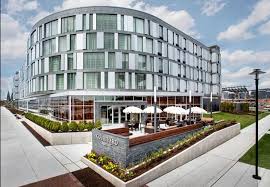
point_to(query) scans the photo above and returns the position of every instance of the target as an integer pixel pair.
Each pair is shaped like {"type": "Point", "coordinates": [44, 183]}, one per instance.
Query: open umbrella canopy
{"type": "Point", "coordinates": [132, 110]}
{"type": "Point", "coordinates": [175, 110]}
{"type": "Point", "coordinates": [197, 110]}
{"type": "Point", "coordinates": [150, 110]}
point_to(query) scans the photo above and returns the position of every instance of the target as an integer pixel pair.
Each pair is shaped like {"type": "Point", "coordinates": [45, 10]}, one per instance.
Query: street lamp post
{"type": "Point", "coordinates": [189, 107]}
{"type": "Point", "coordinates": [155, 109]}
{"type": "Point", "coordinates": [211, 100]}
{"type": "Point", "coordinates": [256, 72]}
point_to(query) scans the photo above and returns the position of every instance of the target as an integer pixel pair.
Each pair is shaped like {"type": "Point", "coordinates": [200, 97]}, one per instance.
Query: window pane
{"type": "Point", "coordinates": [91, 80]}
{"type": "Point", "coordinates": [120, 80]}
{"type": "Point", "coordinates": [91, 41]}
{"type": "Point", "coordinates": [141, 64]}
{"type": "Point", "coordinates": [70, 61]}
{"type": "Point", "coordinates": [140, 81]}
{"type": "Point", "coordinates": [149, 45]}
{"type": "Point", "coordinates": [124, 41]}
{"type": "Point", "coordinates": [93, 61]}
{"type": "Point", "coordinates": [125, 62]}
{"type": "Point", "coordinates": [106, 22]}
{"type": "Point", "coordinates": [140, 43]}
{"type": "Point", "coordinates": [59, 81]}
{"type": "Point", "coordinates": [71, 80]}
{"type": "Point", "coordinates": [54, 27]}
{"type": "Point", "coordinates": [62, 43]}
{"type": "Point", "coordinates": [111, 60]}
{"type": "Point", "coordinates": [68, 24]}
{"type": "Point", "coordinates": [139, 25]}
{"type": "Point", "coordinates": [108, 41]}
{"type": "Point", "coordinates": [42, 65]}
{"type": "Point", "coordinates": [54, 63]}
{"type": "Point", "coordinates": [72, 42]}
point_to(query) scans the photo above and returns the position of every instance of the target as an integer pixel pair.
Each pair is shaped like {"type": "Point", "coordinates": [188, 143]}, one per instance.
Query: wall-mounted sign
{"type": "Point", "coordinates": [107, 139]}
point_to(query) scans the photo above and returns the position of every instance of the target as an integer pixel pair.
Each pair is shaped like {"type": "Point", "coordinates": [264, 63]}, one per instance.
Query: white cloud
{"type": "Point", "coordinates": [241, 31]}
{"type": "Point", "coordinates": [16, 6]}
{"type": "Point", "coordinates": [13, 39]}
{"type": "Point", "coordinates": [180, 19]}
{"type": "Point", "coordinates": [34, 19]}
{"type": "Point", "coordinates": [241, 57]}
{"type": "Point", "coordinates": [211, 7]}
{"type": "Point", "coordinates": [265, 28]}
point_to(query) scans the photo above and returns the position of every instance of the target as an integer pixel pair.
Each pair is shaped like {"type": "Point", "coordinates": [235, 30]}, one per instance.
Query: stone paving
{"type": "Point", "coordinates": [219, 167]}
{"type": "Point", "coordinates": [23, 159]}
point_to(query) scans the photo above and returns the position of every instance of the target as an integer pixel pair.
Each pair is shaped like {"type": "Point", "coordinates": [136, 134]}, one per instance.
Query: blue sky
{"type": "Point", "coordinates": [240, 27]}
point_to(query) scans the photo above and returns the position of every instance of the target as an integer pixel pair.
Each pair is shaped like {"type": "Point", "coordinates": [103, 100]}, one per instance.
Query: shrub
{"type": "Point", "coordinates": [98, 125]}
{"type": "Point", "coordinates": [73, 126]}
{"type": "Point", "coordinates": [55, 126]}
{"type": "Point", "coordinates": [81, 126]}
{"type": "Point", "coordinates": [90, 125]}
{"type": "Point", "coordinates": [64, 127]}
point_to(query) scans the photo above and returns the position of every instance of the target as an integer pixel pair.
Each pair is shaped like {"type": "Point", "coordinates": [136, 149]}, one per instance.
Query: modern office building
{"type": "Point", "coordinates": [90, 63]}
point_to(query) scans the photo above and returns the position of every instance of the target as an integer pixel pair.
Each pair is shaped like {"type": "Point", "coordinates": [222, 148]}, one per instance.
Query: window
{"type": "Point", "coordinates": [106, 22]}
{"type": "Point", "coordinates": [42, 65]}
{"type": "Point", "coordinates": [70, 65]}
{"type": "Point", "coordinates": [54, 63]}
{"type": "Point", "coordinates": [160, 47]}
{"type": "Point", "coordinates": [122, 22]}
{"type": "Point", "coordinates": [49, 46]}
{"type": "Point", "coordinates": [125, 61]}
{"type": "Point", "coordinates": [71, 77]}
{"type": "Point", "coordinates": [124, 41]}
{"type": "Point", "coordinates": [68, 24]}
{"type": "Point", "coordinates": [140, 43]}
{"type": "Point", "coordinates": [159, 82]}
{"type": "Point", "coordinates": [59, 81]}
{"type": "Point", "coordinates": [160, 66]}
{"type": "Point", "coordinates": [91, 80]}
{"type": "Point", "coordinates": [140, 81]}
{"type": "Point", "coordinates": [91, 41]}
{"type": "Point", "coordinates": [160, 31]}
{"type": "Point", "coordinates": [120, 80]}
{"type": "Point", "coordinates": [150, 64]}
{"type": "Point", "coordinates": [149, 45]}
{"type": "Point", "coordinates": [41, 83]}
{"type": "Point", "coordinates": [91, 21]}
{"type": "Point", "coordinates": [40, 32]}
{"type": "Point", "coordinates": [109, 41]}
{"type": "Point", "coordinates": [138, 25]}
{"type": "Point", "coordinates": [33, 38]}
{"type": "Point", "coordinates": [93, 61]}
{"type": "Point", "coordinates": [141, 64]}
{"type": "Point", "coordinates": [62, 43]}
{"type": "Point", "coordinates": [72, 42]}
{"type": "Point", "coordinates": [111, 60]}
{"type": "Point", "coordinates": [51, 28]}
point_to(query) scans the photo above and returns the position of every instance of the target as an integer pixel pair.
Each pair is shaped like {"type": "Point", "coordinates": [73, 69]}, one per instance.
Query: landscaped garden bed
{"type": "Point", "coordinates": [164, 160]}
{"type": "Point", "coordinates": [57, 133]}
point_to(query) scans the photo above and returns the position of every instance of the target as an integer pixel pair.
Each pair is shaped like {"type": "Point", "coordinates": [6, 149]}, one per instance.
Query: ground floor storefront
{"type": "Point", "coordinates": [108, 109]}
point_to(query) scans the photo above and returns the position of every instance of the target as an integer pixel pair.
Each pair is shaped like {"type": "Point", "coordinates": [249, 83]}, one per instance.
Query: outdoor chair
{"type": "Point", "coordinates": [136, 126]}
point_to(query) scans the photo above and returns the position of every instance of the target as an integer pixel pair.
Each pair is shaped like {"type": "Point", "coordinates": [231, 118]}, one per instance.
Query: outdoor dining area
{"type": "Point", "coordinates": [144, 122]}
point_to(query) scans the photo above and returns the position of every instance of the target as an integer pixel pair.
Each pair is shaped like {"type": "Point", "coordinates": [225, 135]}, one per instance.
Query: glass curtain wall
{"type": "Point", "coordinates": [91, 80]}
{"type": "Point", "coordinates": [125, 61]}
{"type": "Point", "coordinates": [68, 24]}
{"type": "Point", "coordinates": [124, 41]}
{"type": "Point", "coordinates": [120, 80]}
{"type": "Point", "coordinates": [138, 25]}
{"type": "Point", "coordinates": [70, 63]}
{"type": "Point", "coordinates": [72, 42]}
{"type": "Point", "coordinates": [91, 41]}
{"type": "Point", "coordinates": [62, 43]}
{"type": "Point", "coordinates": [49, 46]}
{"type": "Point", "coordinates": [93, 61]}
{"type": "Point", "coordinates": [109, 41]}
{"type": "Point", "coordinates": [141, 64]}
{"type": "Point", "coordinates": [59, 81]}
{"type": "Point", "coordinates": [106, 22]}
{"type": "Point", "coordinates": [54, 63]}
{"type": "Point", "coordinates": [51, 28]}
{"type": "Point", "coordinates": [111, 60]}
{"type": "Point", "coordinates": [71, 78]}
{"type": "Point", "coordinates": [140, 80]}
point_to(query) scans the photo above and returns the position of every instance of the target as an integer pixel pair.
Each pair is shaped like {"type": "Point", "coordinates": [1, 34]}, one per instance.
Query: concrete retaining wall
{"type": "Point", "coordinates": [61, 138]}
{"type": "Point", "coordinates": [180, 159]}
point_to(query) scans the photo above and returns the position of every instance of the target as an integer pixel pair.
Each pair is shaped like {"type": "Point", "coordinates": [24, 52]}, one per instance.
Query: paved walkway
{"type": "Point", "coordinates": [219, 167]}
{"type": "Point", "coordinates": [23, 159]}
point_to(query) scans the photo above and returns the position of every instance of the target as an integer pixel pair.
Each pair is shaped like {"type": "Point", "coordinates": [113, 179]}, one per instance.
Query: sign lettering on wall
{"type": "Point", "coordinates": [107, 139]}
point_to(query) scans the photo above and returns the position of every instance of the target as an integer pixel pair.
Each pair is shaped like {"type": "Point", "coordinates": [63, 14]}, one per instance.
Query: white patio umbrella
{"type": "Point", "coordinates": [150, 110]}
{"type": "Point", "coordinates": [132, 110]}
{"type": "Point", "coordinates": [198, 110]}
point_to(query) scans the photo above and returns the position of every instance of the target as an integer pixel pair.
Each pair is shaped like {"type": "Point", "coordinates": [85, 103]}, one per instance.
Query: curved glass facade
{"type": "Point", "coordinates": [114, 50]}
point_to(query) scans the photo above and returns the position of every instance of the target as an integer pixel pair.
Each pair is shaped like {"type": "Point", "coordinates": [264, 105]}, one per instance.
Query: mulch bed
{"type": "Point", "coordinates": [85, 177]}
{"type": "Point", "coordinates": [90, 178]}
{"type": "Point", "coordinates": [36, 135]}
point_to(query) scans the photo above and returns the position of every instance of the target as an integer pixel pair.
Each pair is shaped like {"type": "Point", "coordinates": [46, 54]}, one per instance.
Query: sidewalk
{"type": "Point", "coordinates": [219, 167]}
{"type": "Point", "coordinates": [23, 159]}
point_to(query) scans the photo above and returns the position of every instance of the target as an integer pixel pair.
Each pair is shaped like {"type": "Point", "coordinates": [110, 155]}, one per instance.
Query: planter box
{"type": "Point", "coordinates": [196, 150]}
{"type": "Point", "coordinates": [61, 138]}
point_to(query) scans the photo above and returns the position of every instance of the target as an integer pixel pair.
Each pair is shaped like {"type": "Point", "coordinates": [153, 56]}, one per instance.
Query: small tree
{"type": "Point", "coordinates": [11, 97]}
{"type": "Point", "coordinates": [8, 96]}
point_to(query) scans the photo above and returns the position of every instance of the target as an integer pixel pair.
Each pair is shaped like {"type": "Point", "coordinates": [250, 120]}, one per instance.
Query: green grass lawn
{"type": "Point", "coordinates": [264, 153]}
{"type": "Point", "coordinates": [244, 119]}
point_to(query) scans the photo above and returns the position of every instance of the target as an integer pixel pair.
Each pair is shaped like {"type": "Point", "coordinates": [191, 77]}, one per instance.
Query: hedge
{"type": "Point", "coordinates": [231, 107]}
{"type": "Point", "coordinates": [55, 126]}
